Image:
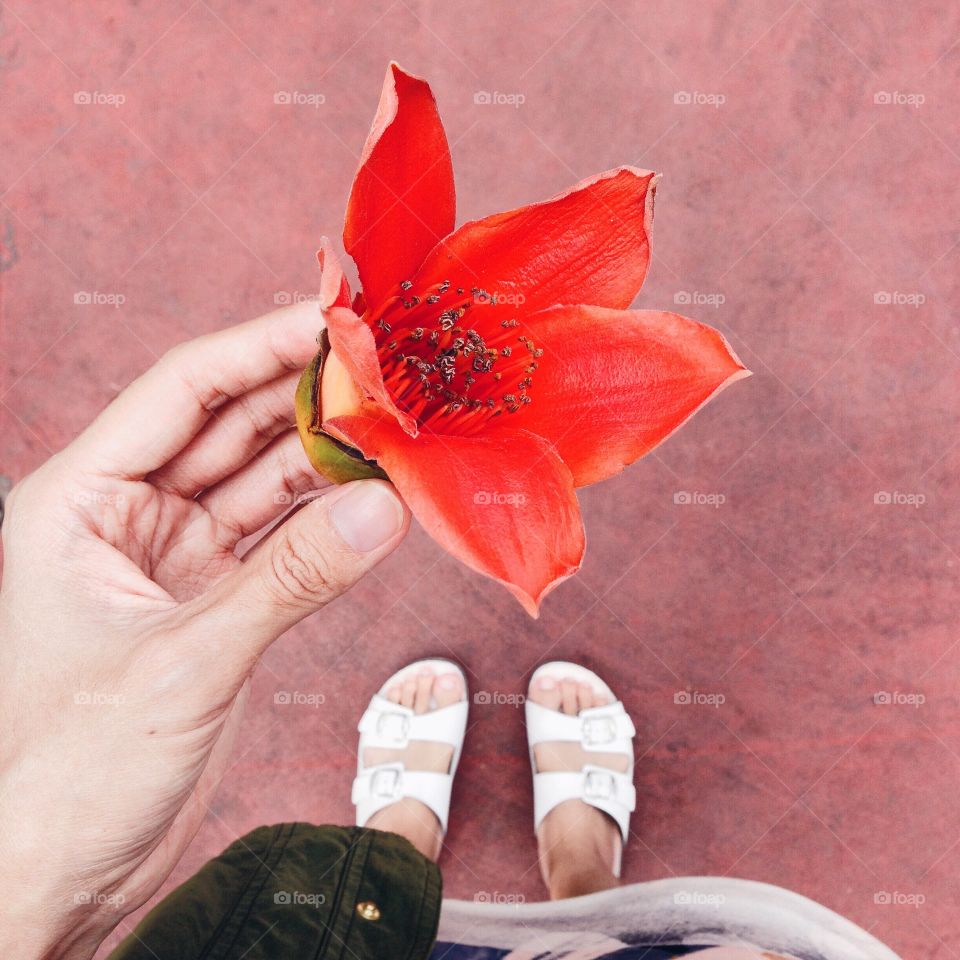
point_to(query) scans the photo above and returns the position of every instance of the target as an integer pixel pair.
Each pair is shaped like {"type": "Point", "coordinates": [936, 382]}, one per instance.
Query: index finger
{"type": "Point", "coordinates": [161, 411]}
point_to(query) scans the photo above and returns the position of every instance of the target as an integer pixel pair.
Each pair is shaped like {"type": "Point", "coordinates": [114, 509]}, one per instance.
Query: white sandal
{"type": "Point", "coordinates": [391, 726]}
{"type": "Point", "coordinates": [606, 729]}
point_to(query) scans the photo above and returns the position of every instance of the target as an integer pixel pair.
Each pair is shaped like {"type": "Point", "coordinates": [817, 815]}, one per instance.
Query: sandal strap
{"type": "Point", "coordinates": [380, 786]}
{"type": "Point", "coordinates": [606, 729]}
{"type": "Point", "coordinates": [391, 726]}
{"type": "Point", "coordinates": [608, 790]}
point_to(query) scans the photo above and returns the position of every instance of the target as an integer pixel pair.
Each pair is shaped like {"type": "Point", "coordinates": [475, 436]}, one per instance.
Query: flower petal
{"type": "Point", "coordinates": [503, 504]}
{"type": "Point", "coordinates": [334, 288]}
{"type": "Point", "coordinates": [353, 343]}
{"type": "Point", "coordinates": [402, 201]}
{"type": "Point", "coordinates": [588, 245]}
{"type": "Point", "coordinates": [612, 384]}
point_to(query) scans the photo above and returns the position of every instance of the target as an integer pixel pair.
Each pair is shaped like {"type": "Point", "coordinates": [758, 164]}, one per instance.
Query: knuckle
{"type": "Point", "coordinates": [19, 496]}
{"type": "Point", "coordinates": [300, 572]}
{"type": "Point", "coordinates": [174, 357]}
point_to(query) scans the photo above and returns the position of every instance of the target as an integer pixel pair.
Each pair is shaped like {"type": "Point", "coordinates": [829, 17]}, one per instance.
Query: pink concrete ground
{"type": "Point", "coordinates": [789, 213]}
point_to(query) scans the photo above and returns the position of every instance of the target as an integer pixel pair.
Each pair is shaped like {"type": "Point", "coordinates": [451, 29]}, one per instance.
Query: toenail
{"type": "Point", "coordinates": [546, 683]}
{"type": "Point", "coordinates": [448, 681]}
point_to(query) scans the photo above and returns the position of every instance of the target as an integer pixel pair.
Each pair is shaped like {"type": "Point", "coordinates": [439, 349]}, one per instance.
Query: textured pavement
{"type": "Point", "coordinates": [773, 592]}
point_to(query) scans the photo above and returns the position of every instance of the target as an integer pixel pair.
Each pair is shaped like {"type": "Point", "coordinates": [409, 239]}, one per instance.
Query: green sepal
{"type": "Point", "coordinates": [330, 457]}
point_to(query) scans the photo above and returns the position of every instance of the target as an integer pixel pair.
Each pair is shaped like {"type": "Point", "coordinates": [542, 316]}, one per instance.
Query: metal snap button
{"type": "Point", "coordinates": [368, 910]}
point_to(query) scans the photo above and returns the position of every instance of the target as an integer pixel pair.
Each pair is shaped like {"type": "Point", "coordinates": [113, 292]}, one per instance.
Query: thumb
{"type": "Point", "coordinates": [312, 558]}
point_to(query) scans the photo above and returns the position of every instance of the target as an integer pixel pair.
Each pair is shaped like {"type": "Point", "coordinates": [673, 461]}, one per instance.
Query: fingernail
{"type": "Point", "coordinates": [547, 683]}
{"type": "Point", "coordinates": [367, 516]}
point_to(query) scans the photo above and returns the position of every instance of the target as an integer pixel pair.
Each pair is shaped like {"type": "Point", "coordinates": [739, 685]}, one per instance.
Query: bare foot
{"type": "Point", "coordinates": [579, 846]}
{"type": "Point", "coordinates": [409, 817]}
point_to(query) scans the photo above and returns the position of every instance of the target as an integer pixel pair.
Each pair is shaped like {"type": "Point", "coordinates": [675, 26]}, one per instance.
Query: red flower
{"type": "Point", "coordinates": [489, 371]}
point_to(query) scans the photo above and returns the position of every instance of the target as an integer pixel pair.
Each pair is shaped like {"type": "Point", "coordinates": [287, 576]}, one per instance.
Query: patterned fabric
{"type": "Point", "coordinates": [452, 951]}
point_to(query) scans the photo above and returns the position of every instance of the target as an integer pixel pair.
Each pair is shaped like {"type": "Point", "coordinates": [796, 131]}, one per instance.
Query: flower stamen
{"type": "Point", "coordinates": [437, 366]}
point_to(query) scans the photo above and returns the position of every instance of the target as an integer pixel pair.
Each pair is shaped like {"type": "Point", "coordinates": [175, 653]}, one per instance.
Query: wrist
{"type": "Point", "coordinates": [44, 914]}
{"type": "Point", "coordinates": [33, 928]}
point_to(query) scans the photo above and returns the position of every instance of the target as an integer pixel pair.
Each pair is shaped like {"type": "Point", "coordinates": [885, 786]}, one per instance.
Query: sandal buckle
{"type": "Point", "coordinates": [599, 785]}
{"type": "Point", "coordinates": [385, 784]}
{"type": "Point", "coordinates": [597, 730]}
{"type": "Point", "coordinates": [393, 726]}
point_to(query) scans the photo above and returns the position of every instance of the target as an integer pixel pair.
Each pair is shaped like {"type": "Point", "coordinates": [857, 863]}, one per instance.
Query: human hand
{"type": "Point", "coordinates": [130, 628]}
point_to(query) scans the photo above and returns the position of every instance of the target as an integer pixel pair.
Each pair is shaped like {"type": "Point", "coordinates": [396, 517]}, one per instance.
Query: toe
{"type": "Point", "coordinates": [421, 703]}
{"type": "Point", "coordinates": [448, 689]}
{"type": "Point", "coordinates": [568, 692]}
{"type": "Point", "coordinates": [393, 694]}
{"type": "Point", "coordinates": [546, 692]}
{"type": "Point", "coordinates": [585, 696]}
{"type": "Point", "coordinates": [408, 691]}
